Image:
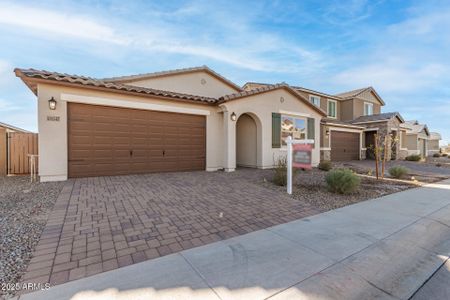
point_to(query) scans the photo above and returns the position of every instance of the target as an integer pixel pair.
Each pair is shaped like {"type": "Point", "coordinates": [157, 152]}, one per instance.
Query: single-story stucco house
{"type": "Point", "coordinates": [433, 143]}
{"type": "Point", "coordinates": [417, 136]}
{"type": "Point", "coordinates": [187, 119]}
{"type": "Point", "coordinates": [196, 119]}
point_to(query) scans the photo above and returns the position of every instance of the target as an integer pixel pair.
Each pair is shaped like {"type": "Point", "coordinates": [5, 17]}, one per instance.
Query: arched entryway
{"type": "Point", "coordinates": [246, 141]}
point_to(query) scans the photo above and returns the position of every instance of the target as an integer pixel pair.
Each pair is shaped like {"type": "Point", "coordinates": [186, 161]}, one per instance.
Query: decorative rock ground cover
{"type": "Point", "coordinates": [24, 208]}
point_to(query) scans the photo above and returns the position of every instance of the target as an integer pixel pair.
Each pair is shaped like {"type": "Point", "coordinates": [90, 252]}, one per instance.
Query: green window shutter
{"type": "Point", "coordinates": [276, 130]}
{"type": "Point", "coordinates": [311, 130]}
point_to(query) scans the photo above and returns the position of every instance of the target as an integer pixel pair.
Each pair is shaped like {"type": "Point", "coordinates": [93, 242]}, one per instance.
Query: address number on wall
{"type": "Point", "coordinates": [53, 118]}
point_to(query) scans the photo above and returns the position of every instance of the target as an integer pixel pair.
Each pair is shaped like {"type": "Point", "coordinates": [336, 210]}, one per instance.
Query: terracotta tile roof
{"type": "Point", "coordinates": [259, 90]}
{"type": "Point", "coordinates": [268, 88]}
{"type": "Point", "coordinates": [377, 117]}
{"type": "Point", "coordinates": [129, 78]}
{"type": "Point", "coordinates": [25, 74]}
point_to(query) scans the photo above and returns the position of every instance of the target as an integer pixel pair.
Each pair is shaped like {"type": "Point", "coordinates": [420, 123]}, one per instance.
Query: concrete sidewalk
{"type": "Point", "coordinates": [382, 248]}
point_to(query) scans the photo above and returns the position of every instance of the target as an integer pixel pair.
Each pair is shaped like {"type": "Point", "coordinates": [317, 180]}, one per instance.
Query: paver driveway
{"type": "Point", "coordinates": [103, 223]}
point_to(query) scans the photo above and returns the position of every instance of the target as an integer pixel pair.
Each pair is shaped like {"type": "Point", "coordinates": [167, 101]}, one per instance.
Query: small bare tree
{"type": "Point", "coordinates": [380, 149]}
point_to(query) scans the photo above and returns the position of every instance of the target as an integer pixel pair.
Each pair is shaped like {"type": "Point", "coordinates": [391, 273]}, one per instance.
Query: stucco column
{"type": "Point", "coordinates": [52, 137]}
{"type": "Point", "coordinates": [229, 128]}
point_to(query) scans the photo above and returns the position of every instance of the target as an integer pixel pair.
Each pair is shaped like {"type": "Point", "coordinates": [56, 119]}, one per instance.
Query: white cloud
{"type": "Point", "coordinates": [6, 71]}
{"type": "Point", "coordinates": [49, 21]}
{"type": "Point", "coordinates": [8, 106]}
{"type": "Point", "coordinates": [390, 76]}
{"type": "Point", "coordinates": [348, 12]}
{"type": "Point", "coordinates": [424, 25]}
{"type": "Point", "coordinates": [235, 43]}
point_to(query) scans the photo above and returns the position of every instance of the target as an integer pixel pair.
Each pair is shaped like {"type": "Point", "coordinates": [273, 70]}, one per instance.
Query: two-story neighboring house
{"type": "Point", "coordinates": [353, 119]}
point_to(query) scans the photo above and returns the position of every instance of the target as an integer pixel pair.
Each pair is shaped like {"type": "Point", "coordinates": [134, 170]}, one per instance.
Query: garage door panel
{"type": "Point", "coordinates": [115, 141]}
{"type": "Point", "coordinates": [345, 145]}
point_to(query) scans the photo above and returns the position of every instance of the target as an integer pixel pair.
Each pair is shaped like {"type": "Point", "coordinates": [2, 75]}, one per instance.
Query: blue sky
{"type": "Point", "coordinates": [402, 48]}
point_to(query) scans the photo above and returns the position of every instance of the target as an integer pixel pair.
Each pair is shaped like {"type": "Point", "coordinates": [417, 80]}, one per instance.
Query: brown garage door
{"type": "Point", "coordinates": [344, 145]}
{"type": "Point", "coordinates": [116, 141]}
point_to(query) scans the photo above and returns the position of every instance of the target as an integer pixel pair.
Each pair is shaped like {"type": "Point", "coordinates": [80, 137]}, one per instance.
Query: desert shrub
{"type": "Point", "coordinates": [398, 171]}
{"type": "Point", "coordinates": [325, 165]}
{"type": "Point", "coordinates": [342, 181]}
{"type": "Point", "coordinates": [436, 155]}
{"type": "Point", "coordinates": [438, 165]}
{"type": "Point", "coordinates": [413, 157]}
{"type": "Point", "coordinates": [444, 154]}
{"type": "Point", "coordinates": [280, 171]}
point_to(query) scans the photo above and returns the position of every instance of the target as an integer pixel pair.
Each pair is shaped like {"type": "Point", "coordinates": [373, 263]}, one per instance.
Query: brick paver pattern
{"type": "Point", "coordinates": [103, 223]}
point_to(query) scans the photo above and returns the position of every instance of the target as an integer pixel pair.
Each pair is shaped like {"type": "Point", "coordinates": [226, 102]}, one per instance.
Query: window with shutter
{"type": "Point", "coordinates": [276, 130]}
{"type": "Point", "coordinates": [311, 130]}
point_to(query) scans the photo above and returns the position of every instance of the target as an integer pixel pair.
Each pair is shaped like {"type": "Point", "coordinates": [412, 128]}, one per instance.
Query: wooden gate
{"type": "Point", "coordinates": [19, 146]}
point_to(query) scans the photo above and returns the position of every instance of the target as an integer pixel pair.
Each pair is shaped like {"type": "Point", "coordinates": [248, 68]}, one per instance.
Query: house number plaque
{"type": "Point", "coordinates": [53, 118]}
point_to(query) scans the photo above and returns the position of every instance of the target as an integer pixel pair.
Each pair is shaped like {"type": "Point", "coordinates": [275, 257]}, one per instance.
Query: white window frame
{"type": "Point", "coordinates": [305, 119]}
{"type": "Point", "coordinates": [368, 104]}
{"type": "Point", "coordinates": [335, 109]}
{"type": "Point", "coordinates": [311, 97]}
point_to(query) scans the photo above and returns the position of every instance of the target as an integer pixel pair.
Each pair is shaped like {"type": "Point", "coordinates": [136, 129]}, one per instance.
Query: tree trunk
{"type": "Point", "coordinates": [376, 155]}
{"type": "Point", "coordinates": [384, 156]}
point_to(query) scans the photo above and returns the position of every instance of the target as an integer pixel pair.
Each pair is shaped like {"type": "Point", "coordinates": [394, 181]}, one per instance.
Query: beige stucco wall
{"type": "Point", "coordinates": [358, 107]}
{"type": "Point", "coordinates": [324, 103]}
{"type": "Point", "coordinates": [196, 83]}
{"type": "Point", "coordinates": [220, 131]}
{"type": "Point", "coordinates": [403, 139]}
{"type": "Point", "coordinates": [433, 145]}
{"type": "Point", "coordinates": [53, 135]}
{"type": "Point", "coordinates": [422, 145]}
{"type": "Point", "coordinates": [346, 110]}
{"type": "Point", "coordinates": [261, 107]}
{"type": "Point", "coordinates": [324, 138]}
{"type": "Point", "coordinates": [411, 142]}
{"type": "Point", "coordinates": [246, 141]}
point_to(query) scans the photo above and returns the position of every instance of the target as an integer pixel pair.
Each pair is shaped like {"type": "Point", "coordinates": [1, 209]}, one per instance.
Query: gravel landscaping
{"type": "Point", "coordinates": [423, 172]}
{"type": "Point", "coordinates": [310, 187]}
{"type": "Point", "coordinates": [24, 208]}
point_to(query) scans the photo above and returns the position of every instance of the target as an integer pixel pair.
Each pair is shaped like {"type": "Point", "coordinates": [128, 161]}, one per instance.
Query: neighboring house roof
{"type": "Point", "coordinates": [269, 88]}
{"type": "Point", "coordinates": [413, 127]}
{"type": "Point", "coordinates": [358, 92]}
{"type": "Point", "coordinates": [299, 88]}
{"type": "Point", "coordinates": [29, 76]}
{"type": "Point", "coordinates": [378, 118]}
{"type": "Point", "coordinates": [130, 78]}
{"type": "Point", "coordinates": [435, 136]}
{"type": "Point", "coordinates": [13, 128]}
{"type": "Point", "coordinates": [352, 93]}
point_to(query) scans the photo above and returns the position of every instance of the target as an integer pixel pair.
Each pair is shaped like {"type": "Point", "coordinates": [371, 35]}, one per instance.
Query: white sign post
{"type": "Point", "coordinates": [290, 142]}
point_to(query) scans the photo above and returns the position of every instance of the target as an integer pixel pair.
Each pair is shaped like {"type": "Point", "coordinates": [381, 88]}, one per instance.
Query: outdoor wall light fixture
{"type": "Point", "coordinates": [327, 132]}
{"type": "Point", "coordinates": [233, 116]}
{"type": "Point", "coordinates": [52, 103]}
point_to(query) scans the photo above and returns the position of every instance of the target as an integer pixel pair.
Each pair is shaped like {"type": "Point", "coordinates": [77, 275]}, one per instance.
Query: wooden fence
{"type": "Point", "coordinates": [19, 146]}
{"type": "Point", "coordinates": [3, 151]}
